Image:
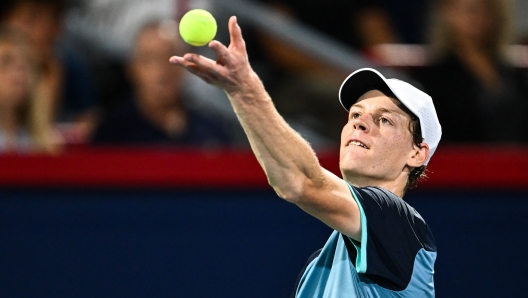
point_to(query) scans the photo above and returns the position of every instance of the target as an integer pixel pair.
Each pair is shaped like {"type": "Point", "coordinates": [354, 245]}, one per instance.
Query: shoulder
{"type": "Point", "coordinates": [387, 213]}
{"type": "Point", "coordinates": [379, 196]}
{"type": "Point", "coordinates": [384, 200]}
{"type": "Point", "coordinates": [379, 199]}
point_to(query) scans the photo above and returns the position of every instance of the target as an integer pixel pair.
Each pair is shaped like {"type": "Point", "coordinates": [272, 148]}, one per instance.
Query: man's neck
{"type": "Point", "coordinates": [395, 186]}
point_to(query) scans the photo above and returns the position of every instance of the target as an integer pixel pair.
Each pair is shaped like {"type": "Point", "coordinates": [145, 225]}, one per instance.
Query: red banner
{"type": "Point", "coordinates": [458, 167]}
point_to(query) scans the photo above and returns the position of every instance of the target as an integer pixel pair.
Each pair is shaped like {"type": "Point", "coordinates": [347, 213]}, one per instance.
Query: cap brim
{"type": "Point", "coordinates": [359, 83]}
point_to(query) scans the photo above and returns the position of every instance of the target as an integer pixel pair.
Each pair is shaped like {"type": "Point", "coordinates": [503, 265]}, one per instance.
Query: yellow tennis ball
{"type": "Point", "coordinates": [198, 27]}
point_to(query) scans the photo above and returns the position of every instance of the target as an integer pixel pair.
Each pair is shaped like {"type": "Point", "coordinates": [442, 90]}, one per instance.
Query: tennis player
{"type": "Point", "coordinates": [380, 247]}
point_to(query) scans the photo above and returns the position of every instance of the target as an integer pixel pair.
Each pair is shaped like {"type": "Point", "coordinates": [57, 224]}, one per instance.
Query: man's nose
{"type": "Point", "coordinates": [361, 124]}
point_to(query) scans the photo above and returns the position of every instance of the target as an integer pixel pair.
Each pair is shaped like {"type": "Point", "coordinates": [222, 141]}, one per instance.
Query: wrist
{"type": "Point", "coordinates": [250, 91]}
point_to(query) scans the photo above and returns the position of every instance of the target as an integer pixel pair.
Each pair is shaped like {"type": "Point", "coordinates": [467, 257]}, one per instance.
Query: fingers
{"type": "Point", "coordinates": [198, 65]}
{"type": "Point", "coordinates": [176, 60]}
{"type": "Point", "coordinates": [230, 60]}
{"type": "Point", "coordinates": [221, 51]}
{"type": "Point", "coordinates": [194, 60]}
{"type": "Point", "coordinates": [205, 64]}
{"type": "Point", "coordinates": [235, 33]}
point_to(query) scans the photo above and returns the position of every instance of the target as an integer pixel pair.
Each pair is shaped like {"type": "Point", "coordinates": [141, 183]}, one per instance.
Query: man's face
{"type": "Point", "coordinates": [157, 81]}
{"type": "Point", "coordinates": [376, 143]}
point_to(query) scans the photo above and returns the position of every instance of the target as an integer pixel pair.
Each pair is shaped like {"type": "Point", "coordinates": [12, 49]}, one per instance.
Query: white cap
{"type": "Point", "coordinates": [418, 102]}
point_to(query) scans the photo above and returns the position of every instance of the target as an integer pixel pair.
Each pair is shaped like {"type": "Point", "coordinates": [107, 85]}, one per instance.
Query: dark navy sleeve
{"type": "Point", "coordinates": [392, 234]}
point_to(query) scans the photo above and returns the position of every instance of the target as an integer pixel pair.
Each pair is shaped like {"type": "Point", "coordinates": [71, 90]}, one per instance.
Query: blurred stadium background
{"type": "Point", "coordinates": [166, 218]}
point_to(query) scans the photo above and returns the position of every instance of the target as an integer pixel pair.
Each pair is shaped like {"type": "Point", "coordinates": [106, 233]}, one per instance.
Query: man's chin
{"type": "Point", "coordinates": [352, 163]}
{"type": "Point", "coordinates": [350, 171]}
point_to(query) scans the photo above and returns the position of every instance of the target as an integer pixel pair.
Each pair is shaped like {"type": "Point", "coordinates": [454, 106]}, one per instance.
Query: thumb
{"type": "Point", "coordinates": [235, 33]}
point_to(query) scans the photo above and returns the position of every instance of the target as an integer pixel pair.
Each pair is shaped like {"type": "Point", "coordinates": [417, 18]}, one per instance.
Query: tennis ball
{"type": "Point", "coordinates": [198, 27]}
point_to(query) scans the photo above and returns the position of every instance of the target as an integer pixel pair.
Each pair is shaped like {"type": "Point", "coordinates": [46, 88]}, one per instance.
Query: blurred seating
{"type": "Point", "coordinates": [157, 111]}
{"type": "Point", "coordinates": [65, 76]}
{"type": "Point", "coordinates": [303, 87]}
{"type": "Point", "coordinates": [478, 94]}
{"type": "Point", "coordinates": [105, 31]}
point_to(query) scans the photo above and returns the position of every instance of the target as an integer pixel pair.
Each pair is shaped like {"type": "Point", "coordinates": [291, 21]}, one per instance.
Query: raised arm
{"type": "Point", "coordinates": [289, 162]}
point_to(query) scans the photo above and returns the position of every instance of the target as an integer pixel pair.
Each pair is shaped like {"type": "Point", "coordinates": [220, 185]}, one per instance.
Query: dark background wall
{"type": "Point", "coordinates": [230, 243]}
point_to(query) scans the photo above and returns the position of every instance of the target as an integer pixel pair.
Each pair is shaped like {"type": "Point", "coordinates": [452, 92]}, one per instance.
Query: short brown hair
{"type": "Point", "coordinates": [419, 173]}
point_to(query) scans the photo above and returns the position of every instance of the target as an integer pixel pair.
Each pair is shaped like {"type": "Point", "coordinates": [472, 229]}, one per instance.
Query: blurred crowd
{"type": "Point", "coordinates": [96, 72]}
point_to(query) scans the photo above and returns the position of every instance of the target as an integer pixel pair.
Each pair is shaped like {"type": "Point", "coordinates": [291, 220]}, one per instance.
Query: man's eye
{"type": "Point", "coordinates": [355, 115]}
{"type": "Point", "coordinates": [384, 120]}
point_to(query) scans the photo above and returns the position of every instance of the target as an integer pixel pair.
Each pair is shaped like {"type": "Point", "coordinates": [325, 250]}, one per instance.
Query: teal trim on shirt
{"type": "Point", "coordinates": [361, 248]}
{"type": "Point", "coordinates": [332, 274]}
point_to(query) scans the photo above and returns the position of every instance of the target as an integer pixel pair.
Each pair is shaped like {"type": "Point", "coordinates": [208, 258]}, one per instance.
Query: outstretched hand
{"type": "Point", "coordinates": [231, 69]}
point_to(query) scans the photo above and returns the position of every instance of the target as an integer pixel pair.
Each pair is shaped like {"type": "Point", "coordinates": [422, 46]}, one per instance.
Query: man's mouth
{"type": "Point", "coordinates": [357, 143]}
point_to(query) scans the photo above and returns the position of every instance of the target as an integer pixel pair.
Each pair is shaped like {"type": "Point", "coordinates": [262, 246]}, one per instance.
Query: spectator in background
{"type": "Point", "coordinates": [303, 87]}
{"type": "Point", "coordinates": [105, 32]}
{"type": "Point", "coordinates": [65, 77]}
{"type": "Point", "coordinates": [478, 96]}
{"type": "Point", "coordinates": [360, 24]}
{"type": "Point", "coordinates": [157, 113]}
{"type": "Point", "coordinates": [23, 129]}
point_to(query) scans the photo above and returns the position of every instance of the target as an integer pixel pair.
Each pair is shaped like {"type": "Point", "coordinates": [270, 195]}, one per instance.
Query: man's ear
{"type": "Point", "coordinates": [418, 155]}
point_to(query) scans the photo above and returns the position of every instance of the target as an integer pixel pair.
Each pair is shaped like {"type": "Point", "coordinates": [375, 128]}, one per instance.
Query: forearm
{"type": "Point", "coordinates": [287, 159]}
